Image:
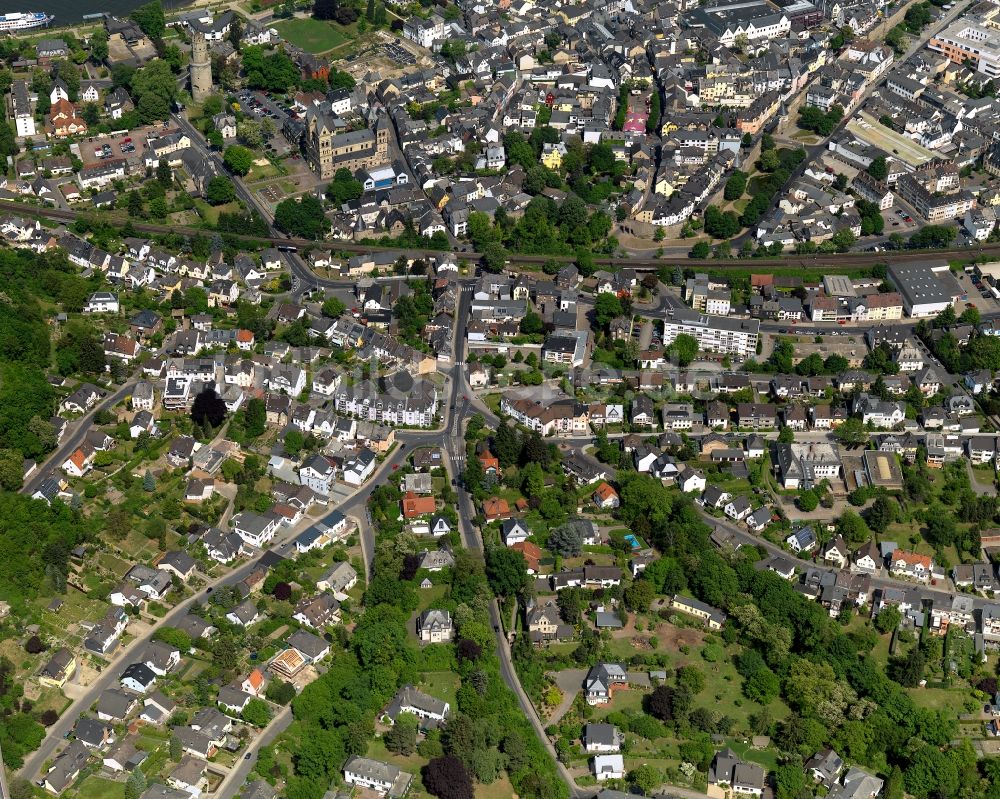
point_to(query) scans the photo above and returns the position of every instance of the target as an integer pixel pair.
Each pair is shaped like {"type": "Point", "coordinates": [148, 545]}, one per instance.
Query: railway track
{"type": "Point", "coordinates": [818, 262]}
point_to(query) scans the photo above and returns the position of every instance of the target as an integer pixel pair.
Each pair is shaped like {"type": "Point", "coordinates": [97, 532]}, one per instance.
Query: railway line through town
{"type": "Point", "coordinates": [818, 262]}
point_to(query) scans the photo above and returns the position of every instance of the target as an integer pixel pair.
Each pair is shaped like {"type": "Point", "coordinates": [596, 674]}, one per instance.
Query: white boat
{"type": "Point", "coordinates": [19, 22]}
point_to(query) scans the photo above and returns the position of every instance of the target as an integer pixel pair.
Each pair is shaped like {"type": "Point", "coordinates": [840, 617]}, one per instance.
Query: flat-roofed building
{"type": "Point", "coordinates": [927, 289]}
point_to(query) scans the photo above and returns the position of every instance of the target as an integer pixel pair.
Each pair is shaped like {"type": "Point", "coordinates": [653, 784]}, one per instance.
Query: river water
{"type": "Point", "coordinates": [68, 12]}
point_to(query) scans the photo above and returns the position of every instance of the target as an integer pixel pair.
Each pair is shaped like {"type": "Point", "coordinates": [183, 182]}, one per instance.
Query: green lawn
{"type": "Point", "coordinates": [312, 35]}
{"type": "Point", "coordinates": [948, 699]}
{"type": "Point", "coordinates": [764, 757]}
{"type": "Point", "coordinates": [440, 684]}
{"type": "Point", "coordinates": [210, 213]}
{"type": "Point", "coordinates": [723, 692]}
{"type": "Point", "coordinates": [628, 699]}
{"type": "Point", "coordinates": [97, 788]}
{"type": "Point", "coordinates": [498, 789]}
{"type": "Point", "coordinates": [262, 171]}
{"type": "Point", "coordinates": [412, 763]}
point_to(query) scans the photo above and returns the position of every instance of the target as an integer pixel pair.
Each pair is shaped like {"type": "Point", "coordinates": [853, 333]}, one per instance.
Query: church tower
{"type": "Point", "coordinates": [382, 137]}
{"type": "Point", "coordinates": [201, 68]}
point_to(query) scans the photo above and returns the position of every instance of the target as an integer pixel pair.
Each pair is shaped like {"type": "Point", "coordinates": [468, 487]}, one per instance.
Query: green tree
{"type": "Point", "coordinates": [154, 87]}
{"type": "Point", "coordinates": [135, 785]}
{"type": "Point", "coordinates": [333, 308]}
{"type": "Point", "coordinates": [721, 224]}
{"type": "Point", "coordinates": [970, 316]}
{"type": "Point", "coordinates": [701, 249]}
{"type": "Point", "coordinates": [531, 323]}
{"type": "Point", "coordinates": [164, 174]}
{"type": "Point", "coordinates": [882, 513]}
{"type": "Point", "coordinates": [808, 501]}
{"type": "Point", "coordinates": [344, 188]}
{"type": "Point", "coordinates": [148, 482]}
{"type": "Point", "coordinates": [878, 168]}
{"type": "Point", "coordinates": [280, 692]}
{"type": "Point", "coordinates": [736, 185]}
{"type": "Point", "coordinates": [294, 441]}
{"type": "Point", "coordinates": [908, 669]}
{"type": "Point", "coordinates": [565, 540]}
{"type": "Point", "coordinates": [887, 619]}
{"type": "Point", "coordinates": [11, 469]}
{"type": "Point", "coordinates": [494, 257]}
{"type": "Point", "coordinates": [684, 348]}
{"type": "Point", "coordinates": [219, 190]}
{"type": "Point", "coordinates": [158, 208]}
{"type": "Point", "coordinates": [790, 781]}
{"type": "Point", "coordinates": [257, 712]}
{"type": "Point", "coordinates": [639, 596]}
{"type": "Point", "coordinates": [239, 160]}
{"type": "Point", "coordinates": [304, 217]}
{"type": "Point", "coordinates": [255, 418]}
{"type": "Point", "coordinates": [853, 528]}
{"type": "Point", "coordinates": [402, 736]}
{"type": "Point", "coordinates": [506, 571]}
{"type": "Point", "coordinates": [843, 239]}
{"type": "Point", "coordinates": [135, 206]}
{"type": "Point", "coordinates": [851, 433]}
{"type": "Point", "coordinates": [150, 19]}
{"type": "Point", "coordinates": [607, 306]}
{"type": "Point", "coordinates": [646, 778]}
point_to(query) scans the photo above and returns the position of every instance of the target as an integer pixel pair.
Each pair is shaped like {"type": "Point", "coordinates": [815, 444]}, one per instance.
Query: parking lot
{"type": "Point", "coordinates": [979, 293]}
{"type": "Point", "coordinates": [899, 219]}
{"type": "Point", "coordinates": [260, 106]}
{"type": "Point", "coordinates": [95, 149]}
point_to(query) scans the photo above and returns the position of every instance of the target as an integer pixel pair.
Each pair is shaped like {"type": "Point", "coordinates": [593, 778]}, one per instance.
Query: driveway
{"type": "Point", "coordinates": [570, 682]}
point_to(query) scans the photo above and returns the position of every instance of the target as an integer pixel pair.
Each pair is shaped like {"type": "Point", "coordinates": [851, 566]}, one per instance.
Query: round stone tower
{"type": "Point", "coordinates": [201, 68]}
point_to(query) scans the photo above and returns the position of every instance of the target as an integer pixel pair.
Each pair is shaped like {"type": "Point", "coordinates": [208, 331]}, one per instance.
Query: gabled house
{"type": "Point", "coordinates": [911, 565]}
{"type": "Point", "coordinates": [138, 678]}
{"type": "Point", "coordinates": [435, 626]}
{"type": "Point", "coordinates": [602, 681]}
{"type": "Point", "coordinates": [430, 710]}
{"type": "Point", "coordinates": [802, 540]}
{"type": "Point", "coordinates": [835, 551]}
{"type": "Point", "coordinates": [602, 738]}
{"type": "Point", "coordinates": [605, 497]}
{"type": "Point", "coordinates": [514, 531]}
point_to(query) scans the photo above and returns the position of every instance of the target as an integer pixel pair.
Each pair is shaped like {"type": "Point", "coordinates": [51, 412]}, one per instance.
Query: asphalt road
{"type": "Point", "coordinates": [109, 676]}
{"type": "Point", "coordinates": [748, 538]}
{"type": "Point", "coordinates": [237, 776]}
{"type": "Point", "coordinates": [72, 440]}
{"type": "Point", "coordinates": [300, 272]}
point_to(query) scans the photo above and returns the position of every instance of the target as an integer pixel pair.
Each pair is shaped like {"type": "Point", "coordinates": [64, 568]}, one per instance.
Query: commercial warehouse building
{"type": "Point", "coordinates": [927, 289]}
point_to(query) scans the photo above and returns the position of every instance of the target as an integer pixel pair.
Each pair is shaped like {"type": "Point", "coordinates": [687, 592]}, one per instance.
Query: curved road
{"type": "Point", "coordinates": [72, 440]}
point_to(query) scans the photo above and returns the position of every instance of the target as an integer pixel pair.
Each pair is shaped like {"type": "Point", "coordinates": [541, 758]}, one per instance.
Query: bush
{"type": "Point", "coordinates": [34, 645]}
{"type": "Point", "coordinates": [48, 718]}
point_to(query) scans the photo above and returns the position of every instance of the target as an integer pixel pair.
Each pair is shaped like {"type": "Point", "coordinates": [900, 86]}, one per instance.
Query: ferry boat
{"type": "Point", "coordinates": [19, 22]}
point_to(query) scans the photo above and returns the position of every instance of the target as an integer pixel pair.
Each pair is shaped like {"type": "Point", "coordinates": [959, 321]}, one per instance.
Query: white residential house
{"type": "Point", "coordinates": [101, 302]}
{"type": "Point", "coordinates": [609, 767]}
{"type": "Point", "coordinates": [601, 739]}
{"type": "Point", "coordinates": [318, 474]}
{"type": "Point", "coordinates": [254, 528]}
{"type": "Point", "coordinates": [435, 626]}
{"type": "Point", "coordinates": [360, 467]}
